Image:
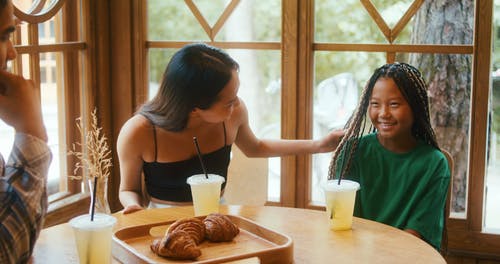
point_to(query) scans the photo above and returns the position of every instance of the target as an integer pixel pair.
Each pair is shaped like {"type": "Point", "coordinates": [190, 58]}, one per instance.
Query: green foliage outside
{"type": "Point", "coordinates": [336, 21]}
{"type": "Point", "coordinates": [174, 21]}
{"type": "Point", "coordinates": [349, 22]}
{"type": "Point", "coordinates": [344, 21]}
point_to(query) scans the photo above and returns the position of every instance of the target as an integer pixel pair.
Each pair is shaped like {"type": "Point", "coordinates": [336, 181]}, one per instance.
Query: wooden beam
{"type": "Point", "coordinates": [224, 45]}
{"type": "Point", "coordinates": [403, 48]}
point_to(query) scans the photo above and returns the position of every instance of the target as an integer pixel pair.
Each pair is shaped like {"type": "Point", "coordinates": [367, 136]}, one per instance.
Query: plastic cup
{"type": "Point", "coordinates": [93, 238]}
{"type": "Point", "coordinates": [340, 203]}
{"type": "Point", "coordinates": [205, 193]}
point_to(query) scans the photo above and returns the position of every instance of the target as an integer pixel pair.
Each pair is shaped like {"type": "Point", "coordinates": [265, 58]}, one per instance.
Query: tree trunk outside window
{"type": "Point", "coordinates": [449, 79]}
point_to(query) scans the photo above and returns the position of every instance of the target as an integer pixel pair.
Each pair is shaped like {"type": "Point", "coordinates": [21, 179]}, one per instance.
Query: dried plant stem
{"type": "Point", "coordinates": [94, 157]}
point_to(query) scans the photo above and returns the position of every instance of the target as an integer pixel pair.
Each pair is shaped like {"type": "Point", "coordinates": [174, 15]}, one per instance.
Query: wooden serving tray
{"type": "Point", "coordinates": [132, 245]}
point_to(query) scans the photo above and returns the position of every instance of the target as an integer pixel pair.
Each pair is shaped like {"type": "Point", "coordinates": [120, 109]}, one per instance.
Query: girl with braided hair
{"type": "Point", "coordinates": [403, 174]}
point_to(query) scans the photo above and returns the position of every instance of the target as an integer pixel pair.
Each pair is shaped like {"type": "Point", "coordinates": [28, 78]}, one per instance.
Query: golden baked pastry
{"type": "Point", "coordinates": [193, 226]}
{"type": "Point", "coordinates": [220, 228]}
{"type": "Point", "coordinates": [178, 244]}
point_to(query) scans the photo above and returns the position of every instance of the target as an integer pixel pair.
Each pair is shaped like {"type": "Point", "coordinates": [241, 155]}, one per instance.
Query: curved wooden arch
{"type": "Point", "coordinates": [34, 16]}
{"type": "Point", "coordinates": [37, 6]}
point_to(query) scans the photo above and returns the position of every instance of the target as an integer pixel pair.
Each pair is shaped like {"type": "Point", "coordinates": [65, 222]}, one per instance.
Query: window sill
{"type": "Point", "coordinates": [62, 210]}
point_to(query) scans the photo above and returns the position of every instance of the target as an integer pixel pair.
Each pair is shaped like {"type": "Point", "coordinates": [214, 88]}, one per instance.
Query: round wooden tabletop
{"type": "Point", "coordinates": [313, 241]}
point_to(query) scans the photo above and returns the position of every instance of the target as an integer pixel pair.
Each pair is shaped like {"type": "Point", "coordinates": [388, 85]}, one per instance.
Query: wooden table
{"type": "Point", "coordinates": [313, 242]}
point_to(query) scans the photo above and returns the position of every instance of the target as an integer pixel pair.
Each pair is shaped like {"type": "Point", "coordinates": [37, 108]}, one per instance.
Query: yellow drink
{"type": "Point", "coordinates": [93, 238]}
{"type": "Point", "coordinates": [205, 193]}
{"type": "Point", "coordinates": [340, 203]}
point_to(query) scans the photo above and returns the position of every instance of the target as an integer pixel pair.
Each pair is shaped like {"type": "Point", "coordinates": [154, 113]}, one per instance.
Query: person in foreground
{"type": "Point", "coordinates": [23, 179]}
{"type": "Point", "coordinates": [402, 173]}
{"type": "Point", "coordinates": [197, 98]}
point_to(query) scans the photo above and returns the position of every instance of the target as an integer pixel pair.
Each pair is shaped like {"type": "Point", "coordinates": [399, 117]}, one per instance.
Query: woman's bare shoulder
{"type": "Point", "coordinates": [238, 119]}
{"type": "Point", "coordinates": [137, 127]}
{"type": "Point", "coordinates": [240, 114]}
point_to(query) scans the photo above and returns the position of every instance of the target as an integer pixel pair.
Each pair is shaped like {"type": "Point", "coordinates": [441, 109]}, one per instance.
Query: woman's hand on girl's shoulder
{"type": "Point", "coordinates": [331, 141]}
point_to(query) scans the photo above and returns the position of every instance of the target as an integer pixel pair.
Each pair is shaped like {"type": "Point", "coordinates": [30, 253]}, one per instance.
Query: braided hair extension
{"type": "Point", "coordinates": [413, 88]}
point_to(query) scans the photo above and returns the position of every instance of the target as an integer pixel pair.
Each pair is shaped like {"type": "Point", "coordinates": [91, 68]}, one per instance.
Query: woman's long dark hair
{"type": "Point", "coordinates": [193, 78]}
{"type": "Point", "coordinates": [413, 88]}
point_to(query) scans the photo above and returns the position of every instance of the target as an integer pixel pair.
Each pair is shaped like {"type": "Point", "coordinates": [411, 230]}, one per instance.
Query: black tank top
{"type": "Point", "coordinates": [167, 180]}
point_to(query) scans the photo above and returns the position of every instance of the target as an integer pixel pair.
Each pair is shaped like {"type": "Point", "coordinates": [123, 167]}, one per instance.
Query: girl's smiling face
{"type": "Point", "coordinates": [390, 114]}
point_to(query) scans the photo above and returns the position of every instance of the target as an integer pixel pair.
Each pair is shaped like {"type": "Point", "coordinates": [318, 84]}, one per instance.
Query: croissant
{"type": "Point", "coordinates": [193, 226]}
{"type": "Point", "coordinates": [177, 244]}
{"type": "Point", "coordinates": [219, 228]}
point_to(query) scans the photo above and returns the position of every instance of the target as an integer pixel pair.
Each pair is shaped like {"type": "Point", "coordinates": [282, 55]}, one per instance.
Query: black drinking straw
{"type": "Point", "coordinates": [92, 208]}
{"type": "Point", "coordinates": [199, 156]}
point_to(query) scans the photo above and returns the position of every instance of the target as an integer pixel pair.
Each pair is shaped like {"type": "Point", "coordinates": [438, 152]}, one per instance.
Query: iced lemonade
{"type": "Point", "coordinates": [93, 238]}
{"type": "Point", "coordinates": [339, 201]}
{"type": "Point", "coordinates": [206, 193]}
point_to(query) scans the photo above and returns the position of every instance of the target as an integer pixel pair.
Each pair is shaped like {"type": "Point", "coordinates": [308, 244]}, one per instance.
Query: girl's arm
{"type": "Point", "coordinates": [252, 146]}
{"type": "Point", "coordinates": [130, 157]}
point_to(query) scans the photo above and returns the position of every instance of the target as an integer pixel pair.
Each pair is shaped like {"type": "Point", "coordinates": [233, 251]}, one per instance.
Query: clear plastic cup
{"type": "Point", "coordinates": [93, 238]}
{"type": "Point", "coordinates": [206, 193]}
{"type": "Point", "coordinates": [339, 201]}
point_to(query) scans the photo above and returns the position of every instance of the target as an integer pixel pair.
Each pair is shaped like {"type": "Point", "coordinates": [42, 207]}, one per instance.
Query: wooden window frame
{"type": "Point", "coordinates": [69, 47]}
{"type": "Point", "coordinates": [86, 41]}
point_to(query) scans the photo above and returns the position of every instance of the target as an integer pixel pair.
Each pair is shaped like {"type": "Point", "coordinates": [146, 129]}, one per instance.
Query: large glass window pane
{"type": "Point", "coordinates": [173, 20]}
{"type": "Point", "coordinates": [350, 22]}
{"type": "Point", "coordinates": [250, 21]}
{"type": "Point", "coordinates": [46, 33]}
{"type": "Point", "coordinates": [211, 10]}
{"type": "Point", "coordinates": [158, 60]}
{"type": "Point", "coordinates": [260, 89]}
{"type": "Point", "coordinates": [253, 20]}
{"type": "Point", "coordinates": [492, 180]}
{"type": "Point", "coordinates": [391, 12]}
{"type": "Point", "coordinates": [49, 71]}
{"type": "Point", "coordinates": [51, 105]}
{"type": "Point", "coordinates": [49, 99]}
{"type": "Point", "coordinates": [345, 22]}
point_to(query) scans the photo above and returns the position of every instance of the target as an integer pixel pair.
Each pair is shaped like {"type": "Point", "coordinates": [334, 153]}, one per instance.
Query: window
{"type": "Point", "coordinates": [458, 118]}
{"type": "Point", "coordinates": [51, 51]}
{"type": "Point", "coordinates": [250, 31]}
{"type": "Point", "coordinates": [492, 179]}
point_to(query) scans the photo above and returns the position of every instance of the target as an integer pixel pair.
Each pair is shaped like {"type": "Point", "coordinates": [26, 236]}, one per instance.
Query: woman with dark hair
{"type": "Point", "coordinates": [403, 174]}
{"type": "Point", "coordinates": [197, 98]}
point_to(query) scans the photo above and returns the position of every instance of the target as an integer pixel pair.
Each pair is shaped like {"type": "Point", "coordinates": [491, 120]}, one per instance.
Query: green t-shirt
{"type": "Point", "coordinates": [407, 191]}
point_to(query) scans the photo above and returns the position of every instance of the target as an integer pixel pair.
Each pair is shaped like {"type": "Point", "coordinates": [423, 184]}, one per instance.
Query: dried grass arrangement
{"type": "Point", "coordinates": [94, 160]}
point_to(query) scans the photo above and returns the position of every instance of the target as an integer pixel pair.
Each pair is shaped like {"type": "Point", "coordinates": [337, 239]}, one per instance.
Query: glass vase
{"type": "Point", "coordinates": [101, 195]}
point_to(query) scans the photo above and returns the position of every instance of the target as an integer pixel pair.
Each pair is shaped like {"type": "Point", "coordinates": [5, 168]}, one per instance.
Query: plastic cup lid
{"type": "Point", "coordinates": [201, 179]}
{"type": "Point", "coordinates": [100, 221]}
{"type": "Point", "coordinates": [345, 185]}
